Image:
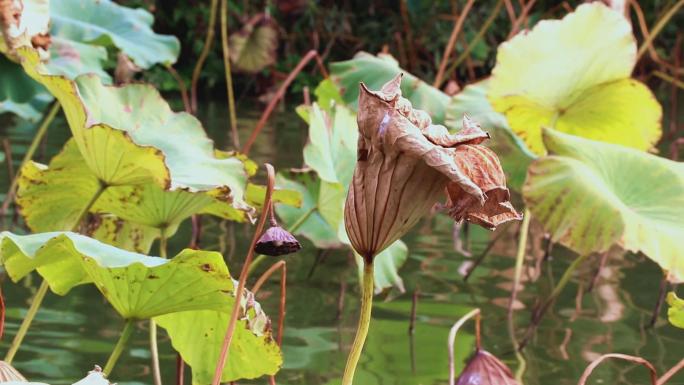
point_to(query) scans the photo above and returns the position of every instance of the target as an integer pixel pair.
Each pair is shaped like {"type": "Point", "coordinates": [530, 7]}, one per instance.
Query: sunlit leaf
{"type": "Point", "coordinates": [254, 46]}
{"type": "Point", "coordinates": [590, 195]}
{"type": "Point", "coordinates": [573, 75]}
{"type": "Point", "coordinates": [106, 23]}
{"type": "Point", "coordinates": [121, 233]}
{"type": "Point", "coordinates": [511, 150]}
{"type": "Point", "coordinates": [198, 336]}
{"type": "Point", "coordinates": [194, 288]}
{"type": "Point", "coordinates": [676, 311]}
{"type": "Point", "coordinates": [375, 71]}
{"type": "Point", "coordinates": [129, 136]}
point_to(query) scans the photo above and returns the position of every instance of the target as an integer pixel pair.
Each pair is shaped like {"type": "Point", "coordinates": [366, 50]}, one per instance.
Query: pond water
{"type": "Point", "coordinates": [73, 333]}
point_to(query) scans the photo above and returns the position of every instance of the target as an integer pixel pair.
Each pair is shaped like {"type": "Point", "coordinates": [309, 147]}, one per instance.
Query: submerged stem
{"type": "Point", "coordinates": [23, 328]}
{"type": "Point", "coordinates": [363, 325]}
{"type": "Point", "coordinates": [120, 345]}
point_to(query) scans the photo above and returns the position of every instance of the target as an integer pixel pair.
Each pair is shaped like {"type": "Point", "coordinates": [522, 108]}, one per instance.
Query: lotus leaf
{"type": "Point", "coordinates": [591, 195]}
{"type": "Point", "coordinates": [375, 71]}
{"type": "Point", "coordinates": [676, 311]}
{"type": "Point", "coordinates": [515, 157]}
{"type": "Point", "coordinates": [131, 217]}
{"type": "Point", "coordinates": [194, 288]}
{"type": "Point", "coordinates": [19, 94]}
{"type": "Point", "coordinates": [386, 267]}
{"type": "Point", "coordinates": [574, 75]}
{"type": "Point", "coordinates": [129, 136]}
{"type": "Point", "coordinates": [254, 46]}
{"type": "Point", "coordinates": [106, 23]}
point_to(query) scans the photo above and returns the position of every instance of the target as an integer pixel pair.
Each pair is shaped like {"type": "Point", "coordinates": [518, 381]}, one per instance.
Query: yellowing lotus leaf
{"type": "Point", "coordinates": [129, 136]}
{"type": "Point", "coordinates": [254, 46]}
{"type": "Point", "coordinates": [676, 311]}
{"type": "Point", "coordinates": [574, 75]}
{"type": "Point", "coordinates": [190, 295]}
{"type": "Point", "coordinates": [591, 195]}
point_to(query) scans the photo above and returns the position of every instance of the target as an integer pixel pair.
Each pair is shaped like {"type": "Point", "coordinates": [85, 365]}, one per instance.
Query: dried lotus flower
{"type": "Point", "coordinates": [484, 368]}
{"type": "Point", "coordinates": [406, 164]}
{"type": "Point", "coordinates": [8, 373]}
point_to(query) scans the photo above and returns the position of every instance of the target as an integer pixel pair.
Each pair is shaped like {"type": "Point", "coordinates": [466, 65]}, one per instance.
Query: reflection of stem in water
{"type": "Point", "coordinates": [483, 255]}
{"type": "Point", "coordinates": [597, 274]}
{"type": "Point", "coordinates": [414, 310]}
{"type": "Point", "coordinates": [120, 345]}
{"type": "Point", "coordinates": [637, 360]}
{"type": "Point", "coordinates": [364, 322]}
{"type": "Point", "coordinates": [42, 290]}
{"type": "Point", "coordinates": [412, 353]}
{"type": "Point", "coordinates": [452, 338]}
{"type": "Point", "coordinates": [42, 130]}
{"type": "Point", "coordinates": [659, 303]}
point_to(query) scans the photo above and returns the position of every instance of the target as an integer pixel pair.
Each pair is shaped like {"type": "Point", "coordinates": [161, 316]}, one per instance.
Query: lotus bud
{"type": "Point", "coordinates": [484, 368]}
{"type": "Point", "coordinates": [405, 164]}
{"type": "Point", "coordinates": [8, 373]}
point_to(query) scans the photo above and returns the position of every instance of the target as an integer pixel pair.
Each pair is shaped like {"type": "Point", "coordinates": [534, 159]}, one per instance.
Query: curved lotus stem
{"type": "Point", "coordinates": [452, 337]}
{"type": "Point", "coordinates": [633, 359]}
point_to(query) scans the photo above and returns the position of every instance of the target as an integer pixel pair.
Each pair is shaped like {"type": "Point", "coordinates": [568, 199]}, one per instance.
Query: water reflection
{"type": "Point", "coordinates": [74, 332]}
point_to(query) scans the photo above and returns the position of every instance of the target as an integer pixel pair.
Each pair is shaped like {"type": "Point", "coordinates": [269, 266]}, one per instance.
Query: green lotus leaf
{"type": "Point", "coordinates": [19, 94]}
{"type": "Point", "coordinates": [108, 24]}
{"type": "Point", "coordinates": [375, 71]}
{"type": "Point", "coordinates": [591, 195]}
{"type": "Point", "coordinates": [386, 267]}
{"type": "Point", "coordinates": [574, 75]}
{"type": "Point", "coordinates": [254, 46]}
{"type": "Point", "coordinates": [331, 150]}
{"type": "Point", "coordinates": [53, 198]}
{"type": "Point", "coordinates": [194, 288]}
{"type": "Point", "coordinates": [255, 195]}
{"type": "Point", "coordinates": [676, 311]}
{"type": "Point", "coordinates": [198, 336]}
{"type": "Point", "coordinates": [129, 136]}
{"type": "Point", "coordinates": [308, 219]}
{"type": "Point", "coordinates": [327, 95]}
{"type": "Point", "coordinates": [72, 58]}
{"type": "Point", "coordinates": [515, 157]}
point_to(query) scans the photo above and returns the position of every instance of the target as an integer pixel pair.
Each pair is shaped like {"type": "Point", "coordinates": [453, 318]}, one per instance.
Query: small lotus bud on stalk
{"type": "Point", "coordinates": [405, 165]}
{"type": "Point", "coordinates": [276, 241]}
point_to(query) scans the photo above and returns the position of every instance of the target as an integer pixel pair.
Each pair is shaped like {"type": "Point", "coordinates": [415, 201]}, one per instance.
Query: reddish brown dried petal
{"type": "Point", "coordinates": [482, 166]}
{"type": "Point", "coordinates": [485, 369]}
{"type": "Point", "coordinates": [277, 241]}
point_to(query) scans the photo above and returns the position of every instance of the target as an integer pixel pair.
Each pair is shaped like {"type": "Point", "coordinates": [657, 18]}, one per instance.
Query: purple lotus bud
{"type": "Point", "coordinates": [485, 369]}
{"type": "Point", "coordinates": [277, 241]}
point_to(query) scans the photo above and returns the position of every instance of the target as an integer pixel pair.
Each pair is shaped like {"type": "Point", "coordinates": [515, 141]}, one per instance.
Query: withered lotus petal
{"type": "Point", "coordinates": [277, 241]}
{"type": "Point", "coordinates": [482, 166]}
{"type": "Point", "coordinates": [484, 368]}
{"type": "Point", "coordinates": [8, 373]}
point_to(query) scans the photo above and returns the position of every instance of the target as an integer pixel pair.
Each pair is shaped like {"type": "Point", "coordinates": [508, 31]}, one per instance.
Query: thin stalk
{"type": "Point", "coordinates": [673, 370]}
{"type": "Point", "coordinates": [521, 19]}
{"type": "Point", "coordinates": [120, 345]}
{"type": "Point", "coordinates": [477, 38]}
{"type": "Point", "coordinates": [519, 261]}
{"type": "Point", "coordinates": [452, 338]}
{"type": "Point", "coordinates": [279, 95]}
{"type": "Point", "coordinates": [225, 348]}
{"type": "Point", "coordinates": [180, 369]}
{"type": "Point", "coordinates": [182, 87]}
{"type": "Point", "coordinates": [657, 28]}
{"type": "Point", "coordinates": [452, 42]}
{"type": "Point", "coordinates": [208, 41]}
{"type": "Point", "coordinates": [260, 258]}
{"type": "Point", "coordinates": [23, 328]}
{"type": "Point", "coordinates": [42, 290]}
{"type": "Point", "coordinates": [662, 292]}
{"type": "Point", "coordinates": [154, 348]}
{"type": "Point", "coordinates": [29, 153]}
{"type": "Point", "coordinates": [229, 76]}
{"type": "Point", "coordinates": [363, 325]}
{"type": "Point", "coordinates": [636, 360]}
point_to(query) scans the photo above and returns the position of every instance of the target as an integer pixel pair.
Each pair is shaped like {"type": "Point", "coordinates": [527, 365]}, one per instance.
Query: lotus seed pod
{"type": "Point", "coordinates": [277, 241]}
